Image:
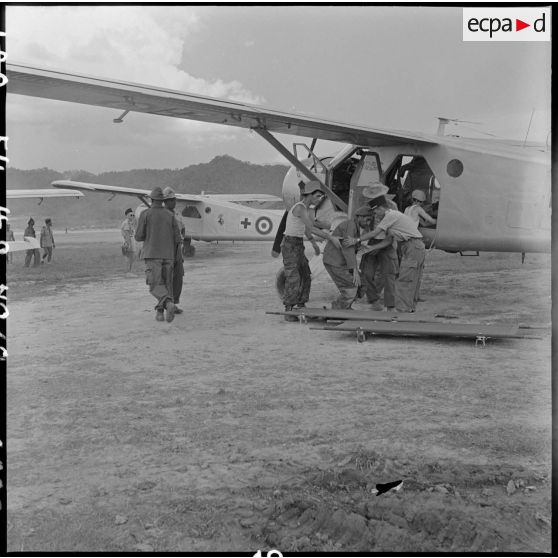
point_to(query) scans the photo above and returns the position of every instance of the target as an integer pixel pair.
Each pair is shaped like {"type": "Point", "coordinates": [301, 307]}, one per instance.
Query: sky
{"type": "Point", "coordinates": [395, 67]}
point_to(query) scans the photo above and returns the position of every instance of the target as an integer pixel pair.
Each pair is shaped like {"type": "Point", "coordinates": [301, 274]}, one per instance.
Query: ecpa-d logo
{"type": "Point", "coordinates": [506, 24]}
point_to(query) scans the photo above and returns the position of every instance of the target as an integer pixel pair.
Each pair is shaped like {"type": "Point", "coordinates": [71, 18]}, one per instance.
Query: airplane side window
{"type": "Point", "coordinates": [191, 211]}
{"type": "Point", "coordinates": [455, 168]}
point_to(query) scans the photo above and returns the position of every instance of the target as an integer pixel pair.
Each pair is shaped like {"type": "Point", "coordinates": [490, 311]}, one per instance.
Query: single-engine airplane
{"type": "Point", "coordinates": [487, 195]}
{"type": "Point", "coordinates": [205, 217]}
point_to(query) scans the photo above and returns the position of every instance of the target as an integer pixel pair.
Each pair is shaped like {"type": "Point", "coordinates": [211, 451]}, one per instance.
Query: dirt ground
{"type": "Point", "coordinates": [231, 430]}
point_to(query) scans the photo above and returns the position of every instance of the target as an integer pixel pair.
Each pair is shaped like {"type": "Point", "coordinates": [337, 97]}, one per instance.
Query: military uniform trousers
{"type": "Point", "coordinates": [407, 285]}
{"type": "Point", "coordinates": [177, 273]}
{"type": "Point", "coordinates": [343, 279]}
{"type": "Point", "coordinates": [379, 271]}
{"type": "Point", "coordinates": [297, 271]}
{"type": "Point", "coordinates": [34, 255]}
{"type": "Point", "coordinates": [158, 275]}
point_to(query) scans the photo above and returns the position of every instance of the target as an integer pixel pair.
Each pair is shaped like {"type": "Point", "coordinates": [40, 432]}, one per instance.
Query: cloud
{"type": "Point", "coordinates": [143, 44]}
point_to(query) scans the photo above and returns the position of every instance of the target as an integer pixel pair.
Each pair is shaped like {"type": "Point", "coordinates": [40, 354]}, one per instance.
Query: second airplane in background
{"type": "Point", "coordinates": [207, 217]}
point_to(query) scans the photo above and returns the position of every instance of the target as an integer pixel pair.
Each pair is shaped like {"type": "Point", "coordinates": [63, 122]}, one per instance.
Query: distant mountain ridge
{"type": "Point", "coordinates": [222, 175]}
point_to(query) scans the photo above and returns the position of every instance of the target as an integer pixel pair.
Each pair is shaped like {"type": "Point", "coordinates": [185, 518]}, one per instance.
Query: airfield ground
{"type": "Point", "coordinates": [232, 430]}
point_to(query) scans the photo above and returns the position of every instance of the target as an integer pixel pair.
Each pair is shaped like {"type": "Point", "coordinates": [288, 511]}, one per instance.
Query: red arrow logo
{"type": "Point", "coordinates": [519, 25]}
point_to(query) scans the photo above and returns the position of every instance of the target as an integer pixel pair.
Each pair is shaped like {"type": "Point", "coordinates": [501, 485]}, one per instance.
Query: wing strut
{"type": "Point", "coordinates": [145, 200]}
{"type": "Point", "coordinates": [302, 168]}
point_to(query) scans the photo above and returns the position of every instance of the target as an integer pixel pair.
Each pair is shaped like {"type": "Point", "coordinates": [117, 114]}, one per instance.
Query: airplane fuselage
{"type": "Point", "coordinates": [488, 196]}
{"type": "Point", "coordinates": [498, 200]}
{"type": "Point", "coordinates": [212, 221]}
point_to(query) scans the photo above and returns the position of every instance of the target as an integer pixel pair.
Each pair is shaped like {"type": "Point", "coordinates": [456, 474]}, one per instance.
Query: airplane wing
{"type": "Point", "coordinates": [71, 185]}
{"type": "Point", "coordinates": [41, 193]}
{"type": "Point", "coordinates": [242, 197]}
{"type": "Point", "coordinates": [28, 243]}
{"type": "Point", "coordinates": [120, 95]}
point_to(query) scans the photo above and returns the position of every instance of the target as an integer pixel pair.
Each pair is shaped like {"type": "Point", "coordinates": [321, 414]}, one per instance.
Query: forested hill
{"type": "Point", "coordinates": [222, 175]}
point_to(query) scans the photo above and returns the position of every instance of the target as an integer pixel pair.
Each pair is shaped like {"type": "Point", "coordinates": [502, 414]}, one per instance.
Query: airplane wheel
{"type": "Point", "coordinates": [280, 283]}
{"type": "Point", "coordinates": [188, 251]}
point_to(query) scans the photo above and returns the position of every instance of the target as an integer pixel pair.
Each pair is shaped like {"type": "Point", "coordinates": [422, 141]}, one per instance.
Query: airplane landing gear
{"type": "Point", "coordinates": [188, 251]}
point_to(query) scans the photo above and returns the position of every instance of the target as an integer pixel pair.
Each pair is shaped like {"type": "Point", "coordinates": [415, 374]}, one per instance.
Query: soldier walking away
{"type": "Point", "coordinates": [178, 268]}
{"type": "Point", "coordinates": [158, 230]}
{"type": "Point", "coordinates": [47, 241]}
{"type": "Point", "coordinates": [34, 253]}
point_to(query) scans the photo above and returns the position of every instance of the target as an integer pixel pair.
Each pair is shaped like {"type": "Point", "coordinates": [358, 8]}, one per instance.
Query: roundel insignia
{"type": "Point", "coordinates": [264, 225]}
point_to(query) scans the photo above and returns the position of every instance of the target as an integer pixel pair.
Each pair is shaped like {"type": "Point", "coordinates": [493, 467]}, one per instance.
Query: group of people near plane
{"type": "Point", "coordinates": [160, 233]}
{"type": "Point", "coordinates": [46, 243]}
{"type": "Point", "coordinates": [389, 242]}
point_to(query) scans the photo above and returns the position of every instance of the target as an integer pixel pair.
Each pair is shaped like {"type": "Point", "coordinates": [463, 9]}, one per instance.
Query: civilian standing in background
{"type": "Point", "coordinates": [34, 253]}
{"type": "Point", "coordinates": [128, 230]}
{"type": "Point", "coordinates": [47, 241]}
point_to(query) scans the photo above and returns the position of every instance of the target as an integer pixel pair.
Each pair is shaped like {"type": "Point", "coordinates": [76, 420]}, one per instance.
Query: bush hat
{"type": "Point", "coordinates": [376, 190]}
{"type": "Point", "coordinates": [157, 194]}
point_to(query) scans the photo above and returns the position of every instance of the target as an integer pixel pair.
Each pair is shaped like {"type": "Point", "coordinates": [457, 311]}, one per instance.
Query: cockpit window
{"type": "Point", "coordinates": [191, 211]}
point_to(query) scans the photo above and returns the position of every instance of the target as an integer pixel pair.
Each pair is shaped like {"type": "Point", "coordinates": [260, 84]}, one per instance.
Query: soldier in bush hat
{"type": "Point", "coordinates": [341, 262]}
{"type": "Point", "coordinates": [379, 265]}
{"type": "Point", "coordinates": [157, 194]}
{"type": "Point", "coordinates": [158, 230]}
{"type": "Point", "coordinates": [178, 268]}
{"type": "Point", "coordinates": [405, 231]}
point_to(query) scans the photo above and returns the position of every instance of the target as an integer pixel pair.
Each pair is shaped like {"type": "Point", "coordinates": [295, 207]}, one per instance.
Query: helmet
{"type": "Point", "coordinates": [418, 195]}
{"type": "Point", "coordinates": [169, 194]}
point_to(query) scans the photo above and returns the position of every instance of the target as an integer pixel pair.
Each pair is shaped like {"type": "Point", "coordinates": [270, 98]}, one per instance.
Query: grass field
{"type": "Point", "coordinates": [232, 430]}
